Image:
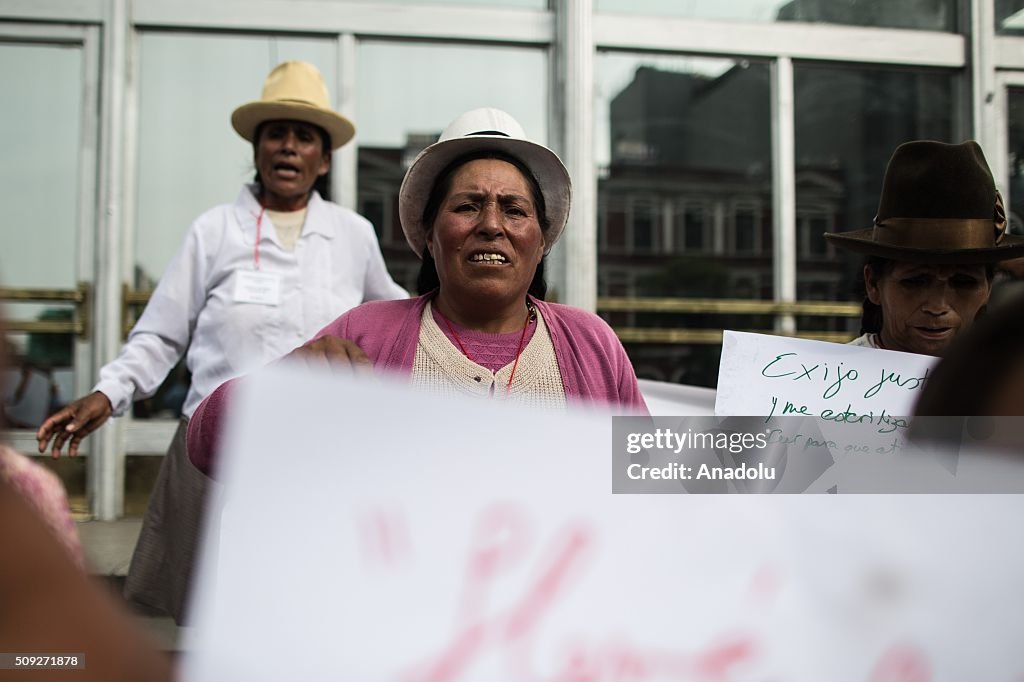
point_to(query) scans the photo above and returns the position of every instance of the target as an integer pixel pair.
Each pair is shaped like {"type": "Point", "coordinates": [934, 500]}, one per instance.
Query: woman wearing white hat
{"type": "Point", "coordinates": [252, 280]}
{"type": "Point", "coordinates": [481, 207]}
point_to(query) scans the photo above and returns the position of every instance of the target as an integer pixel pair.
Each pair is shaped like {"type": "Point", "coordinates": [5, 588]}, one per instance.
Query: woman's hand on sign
{"type": "Point", "coordinates": [333, 352]}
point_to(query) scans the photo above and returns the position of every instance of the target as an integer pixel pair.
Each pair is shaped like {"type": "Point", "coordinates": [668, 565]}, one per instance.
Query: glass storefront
{"type": "Point", "coordinates": [1015, 159]}
{"type": "Point", "coordinates": [684, 195]}
{"type": "Point", "coordinates": [1009, 17]}
{"type": "Point", "coordinates": [190, 158]}
{"type": "Point", "coordinates": [839, 176]}
{"type": "Point", "coordinates": [686, 199]}
{"type": "Point", "coordinates": [39, 243]}
{"type": "Point", "coordinates": [922, 15]}
{"type": "Point", "coordinates": [408, 94]}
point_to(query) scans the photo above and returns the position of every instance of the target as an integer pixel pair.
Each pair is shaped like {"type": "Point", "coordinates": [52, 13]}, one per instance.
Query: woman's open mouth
{"type": "Point", "coordinates": [488, 258]}
{"type": "Point", "coordinates": [935, 332]}
{"type": "Point", "coordinates": [286, 171]}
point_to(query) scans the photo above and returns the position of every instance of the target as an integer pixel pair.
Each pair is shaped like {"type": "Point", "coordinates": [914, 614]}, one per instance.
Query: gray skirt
{"type": "Point", "coordinates": [161, 570]}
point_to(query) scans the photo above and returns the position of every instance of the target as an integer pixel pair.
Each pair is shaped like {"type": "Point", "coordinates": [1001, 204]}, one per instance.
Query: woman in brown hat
{"type": "Point", "coordinates": [930, 254]}
{"type": "Point", "coordinates": [253, 280]}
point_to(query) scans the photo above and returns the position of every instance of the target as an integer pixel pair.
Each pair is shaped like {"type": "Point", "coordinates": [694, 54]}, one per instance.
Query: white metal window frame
{"type": "Point", "coordinates": [573, 33]}
{"type": "Point", "coordinates": [90, 219]}
{"type": "Point", "coordinates": [86, 38]}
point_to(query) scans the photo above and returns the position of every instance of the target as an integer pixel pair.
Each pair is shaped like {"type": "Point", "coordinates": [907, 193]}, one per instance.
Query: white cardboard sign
{"type": "Point", "coordinates": [777, 376]}
{"type": "Point", "coordinates": [368, 532]}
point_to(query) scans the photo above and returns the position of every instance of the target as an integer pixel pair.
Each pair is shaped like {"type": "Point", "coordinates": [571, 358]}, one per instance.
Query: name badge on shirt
{"type": "Point", "coordinates": [252, 286]}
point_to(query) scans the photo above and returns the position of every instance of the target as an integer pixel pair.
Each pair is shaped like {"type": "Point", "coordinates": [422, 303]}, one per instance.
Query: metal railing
{"type": "Point", "coordinates": [722, 306]}
{"type": "Point", "coordinates": [79, 296]}
{"type": "Point", "coordinates": [131, 300]}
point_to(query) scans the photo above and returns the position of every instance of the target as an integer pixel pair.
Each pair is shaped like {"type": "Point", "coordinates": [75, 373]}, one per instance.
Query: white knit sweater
{"type": "Point", "coordinates": [441, 368]}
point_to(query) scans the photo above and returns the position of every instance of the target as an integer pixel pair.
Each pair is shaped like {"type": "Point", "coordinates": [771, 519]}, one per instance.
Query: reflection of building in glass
{"type": "Point", "coordinates": [690, 180]}
{"type": "Point", "coordinates": [938, 15]}
{"type": "Point", "coordinates": [1015, 160]}
{"type": "Point", "coordinates": [381, 170]}
{"type": "Point", "coordinates": [686, 202]}
{"type": "Point", "coordinates": [690, 176]}
{"type": "Point", "coordinates": [1009, 17]}
{"type": "Point", "coordinates": [37, 378]}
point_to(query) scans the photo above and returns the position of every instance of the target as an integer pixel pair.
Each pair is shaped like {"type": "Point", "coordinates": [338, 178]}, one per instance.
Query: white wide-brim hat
{"type": "Point", "coordinates": [483, 130]}
{"type": "Point", "coordinates": [293, 91]}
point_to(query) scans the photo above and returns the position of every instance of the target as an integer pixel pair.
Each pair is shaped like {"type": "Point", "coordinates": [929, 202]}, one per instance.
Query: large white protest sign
{"type": "Point", "coordinates": [367, 532]}
{"type": "Point", "coordinates": [664, 398]}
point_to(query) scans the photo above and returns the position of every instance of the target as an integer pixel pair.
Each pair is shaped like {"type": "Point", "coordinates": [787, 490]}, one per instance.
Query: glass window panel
{"type": "Point", "coordinates": [644, 225]}
{"type": "Point", "coordinates": [612, 222]}
{"type": "Point", "coordinates": [745, 234]}
{"type": "Point", "coordinates": [189, 157]}
{"type": "Point", "coordinates": [1015, 158]}
{"type": "Point", "coordinates": [928, 15]}
{"type": "Point", "coordinates": [693, 234]}
{"type": "Point", "coordinates": [839, 177]}
{"type": "Point", "coordinates": [409, 93]}
{"type": "Point", "coordinates": [682, 142]}
{"type": "Point", "coordinates": [816, 229]}
{"type": "Point", "coordinates": [41, 139]}
{"type": "Point", "coordinates": [1009, 17]}
{"type": "Point", "coordinates": [42, 142]}
{"type": "Point", "coordinates": [371, 207]}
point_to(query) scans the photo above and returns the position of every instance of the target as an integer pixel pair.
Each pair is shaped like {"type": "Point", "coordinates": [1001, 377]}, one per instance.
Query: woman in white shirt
{"type": "Point", "coordinates": [253, 280]}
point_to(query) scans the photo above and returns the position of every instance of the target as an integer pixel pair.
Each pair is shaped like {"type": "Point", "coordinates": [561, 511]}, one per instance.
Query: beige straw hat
{"type": "Point", "coordinates": [294, 91]}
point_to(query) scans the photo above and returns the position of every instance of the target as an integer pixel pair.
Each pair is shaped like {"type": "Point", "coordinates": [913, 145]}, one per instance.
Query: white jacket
{"type": "Point", "coordinates": [336, 265]}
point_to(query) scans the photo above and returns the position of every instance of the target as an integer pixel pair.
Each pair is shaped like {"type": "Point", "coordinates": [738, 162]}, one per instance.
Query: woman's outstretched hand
{"type": "Point", "coordinates": [75, 421]}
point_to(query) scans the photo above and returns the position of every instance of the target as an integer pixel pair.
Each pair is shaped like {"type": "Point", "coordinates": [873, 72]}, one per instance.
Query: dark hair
{"type": "Point", "coordinates": [322, 184]}
{"type": "Point", "coordinates": [427, 278]}
{"type": "Point", "coordinates": [871, 314]}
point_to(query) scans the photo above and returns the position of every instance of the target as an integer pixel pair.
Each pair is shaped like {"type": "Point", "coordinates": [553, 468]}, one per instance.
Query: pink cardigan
{"type": "Point", "coordinates": [593, 364]}
{"type": "Point", "coordinates": [45, 493]}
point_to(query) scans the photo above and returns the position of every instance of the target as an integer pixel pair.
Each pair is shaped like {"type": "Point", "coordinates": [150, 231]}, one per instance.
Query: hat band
{"type": "Point", "coordinates": [936, 234]}
{"type": "Point", "coordinates": [294, 100]}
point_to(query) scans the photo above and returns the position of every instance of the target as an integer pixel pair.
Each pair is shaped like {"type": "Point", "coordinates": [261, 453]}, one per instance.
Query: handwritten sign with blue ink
{"type": "Point", "coordinates": [776, 376]}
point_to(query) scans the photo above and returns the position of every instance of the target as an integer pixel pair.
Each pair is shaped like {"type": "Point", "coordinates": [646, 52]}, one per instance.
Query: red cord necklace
{"type": "Point", "coordinates": [531, 314]}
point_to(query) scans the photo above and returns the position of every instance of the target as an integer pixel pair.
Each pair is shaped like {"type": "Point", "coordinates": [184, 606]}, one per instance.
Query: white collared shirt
{"type": "Point", "coordinates": [335, 266]}
{"type": "Point", "coordinates": [865, 340]}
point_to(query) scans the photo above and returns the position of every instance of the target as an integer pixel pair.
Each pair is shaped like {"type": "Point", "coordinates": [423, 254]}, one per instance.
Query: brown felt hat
{"type": "Point", "coordinates": [939, 205]}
